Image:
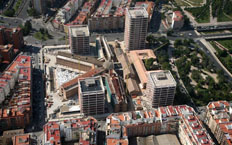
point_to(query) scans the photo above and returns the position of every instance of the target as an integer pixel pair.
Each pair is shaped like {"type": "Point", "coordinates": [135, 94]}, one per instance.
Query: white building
{"type": "Point", "coordinates": [161, 88]}
{"type": "Point", "coordinates": [136, 24]}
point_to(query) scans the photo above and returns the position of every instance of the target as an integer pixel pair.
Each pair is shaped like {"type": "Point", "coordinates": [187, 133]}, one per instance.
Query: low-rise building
{"type": "Point", "coordinates": [177, 20]}
{"type": "Point", "coordinates": [81, 63]}
{"type": "Point", "coordinates": [24, 139]}
{"type": "Point", "coordinates": [115, 91]}
{"type": "Point", "coordinates": [139, 58]}
{"type": "Point", "coordinates": [218, 119]}
{"type": "Point", "coordinates": [128, 72]}
{"type": "Point", "coordinates": [16, 94]}
{"type": "Point", "coordinates": [82, 131]}
{"type": "Point", "coordinates": [6, 138]}
{"type": "Point", "coordinates": [171, 119]}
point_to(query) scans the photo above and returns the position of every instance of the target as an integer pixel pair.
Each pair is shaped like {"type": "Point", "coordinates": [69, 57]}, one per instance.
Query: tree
{"type": "Point", "coordinates": [9, 13]}
{"type": "Point", "coordinates": [148, 63]}
{"type": "Point", "coordinates": [27, 28]}
{"type": "Point", "coordinates": [169, 32]}
{"type": "Point", "coordinates": [32, 12]}
{"type": "Point", "coordinates": [177, 43]}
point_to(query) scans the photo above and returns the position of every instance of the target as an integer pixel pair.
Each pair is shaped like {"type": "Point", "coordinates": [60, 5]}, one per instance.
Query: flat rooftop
{"type": "Point", "coordinates": [162, 78]}
{"type": "Point", "coordinates": [81, 30]}
{"type": "Point", "coordinates": [137, 12]}
{"type": "Point", "coordinates": [91, 84]}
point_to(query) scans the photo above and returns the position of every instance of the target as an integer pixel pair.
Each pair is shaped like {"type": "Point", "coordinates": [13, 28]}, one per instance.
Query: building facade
{"type": "Point", "coordinates": [161, 88]}
{"type": "Point", "coordinates": [16, 94]}
{"type": "Point", "coordinates": [40, 6]}
{"type": "Point", "coordinates": [79, 39]}
{"type": "Point", "coordinates": [92, 95]}
{"type": "Point", "coordinates": [136, 25]}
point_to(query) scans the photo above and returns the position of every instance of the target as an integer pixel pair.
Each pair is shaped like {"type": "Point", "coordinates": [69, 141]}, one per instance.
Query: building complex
{"type": "Point", "coordinates": [16, 94]}
{"type": "Point", "coordinates": [82, 131]}
{"type": "Point", "coordinates": [218, 118]}
{"type": "Point", "coordinates": [171, 119]}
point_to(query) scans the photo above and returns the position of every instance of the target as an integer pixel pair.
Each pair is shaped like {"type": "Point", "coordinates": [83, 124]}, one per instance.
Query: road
{"type": "Point", "coordinates": [23, 13]}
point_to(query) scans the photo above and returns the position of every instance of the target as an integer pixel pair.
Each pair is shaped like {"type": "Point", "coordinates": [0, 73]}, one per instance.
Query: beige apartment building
{"type": "Point", "coordinates": [92, 95]}
{"type": "Point", "coordinates": [79, 39]}
{"type": "Point", "coordinates": [161, 88]}
{"type": "Point", "coordinates": [136, 24]}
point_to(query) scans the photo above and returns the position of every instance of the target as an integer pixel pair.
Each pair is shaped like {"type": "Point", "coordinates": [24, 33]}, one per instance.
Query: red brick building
{"type": "Point", "coordinates": [11, 42]}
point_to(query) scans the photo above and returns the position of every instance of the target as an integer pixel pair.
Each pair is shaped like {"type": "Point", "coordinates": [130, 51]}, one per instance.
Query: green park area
{"type": "Point", "coordinates": [202, 79]}
{"type": "Point", "coordinates": [43, 35]}
{"type": "Point", "coordinates": [201, 14]}
{"type": "Point", "coordinates": [224, 55]}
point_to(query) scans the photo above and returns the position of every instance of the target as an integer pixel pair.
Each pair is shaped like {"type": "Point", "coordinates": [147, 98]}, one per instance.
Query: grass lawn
{"type": "Point", "coordinates": [181, 3]}
{"type": "Point", "coordinates": [42, 36]}
{"type": "Point", "coordinates": [226, 43]}
{"type": "Point", "coordinates": [223, 18]}
{"type": "Point", "coordinates": [201, 14]}
{"type": "Point", "coordinates": [196, 2]}
{"type": "Point", "coordinates": [17, 5]}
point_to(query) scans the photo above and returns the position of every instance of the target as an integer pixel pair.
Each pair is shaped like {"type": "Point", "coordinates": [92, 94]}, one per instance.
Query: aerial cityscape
{"type": "Point", "coordinates": [115, 72]}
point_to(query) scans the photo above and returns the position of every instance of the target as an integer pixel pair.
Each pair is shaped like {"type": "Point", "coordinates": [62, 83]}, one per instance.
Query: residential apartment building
{"type": "Point", "coordinates": [218, 118]}
{"type": "Point", "coordinates": [138, 58]}
{"type": "Point", "coordinates": [79, 39]}
{"type": "Point", "coordinates": [181, 120]}
{"type": "Point", "coordinates": [7, 53]}
{"type": "Point", "coordinates": [12, 36]}
{"type": "Point", "coordinates": [16, 94]}
{"type": "Point", "coordinates": [82, 131]}
{"type": "Point", "coordinates": [23, 139]}
{"type": "Point", "coordinates": [161, 88]}
{"type": "Point", "coordinates": [136, 25]}
{"type": "Point", "coordinates": [91, 95]}
{"type": "Point", "coordinates": [110, 15]}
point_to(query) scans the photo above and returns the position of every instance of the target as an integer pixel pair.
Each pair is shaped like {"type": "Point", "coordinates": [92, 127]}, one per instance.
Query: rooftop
{"type": "Point", "coordinates": [69, 127]}
{"type": "Point", "coordinates": [79, 30]}
{"type": "Point", "coordinates": [162, 78]}
{"type": "Point", "coordinates": [178, 16]}
{"type": "Point", "coordinates": [21, 139]}
{"type": "Point", "coordinates": [91, 84]}
{"type": "Point", "coordinates": [18, 71]}
{"type": "Point", "coordinates": [137, 12]}
{"type": "Point", "coordinates": [79, 58]}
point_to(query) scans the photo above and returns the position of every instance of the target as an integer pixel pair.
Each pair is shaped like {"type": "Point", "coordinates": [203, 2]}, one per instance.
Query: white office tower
{"type": "Point", "coordinates": [161, 88]}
